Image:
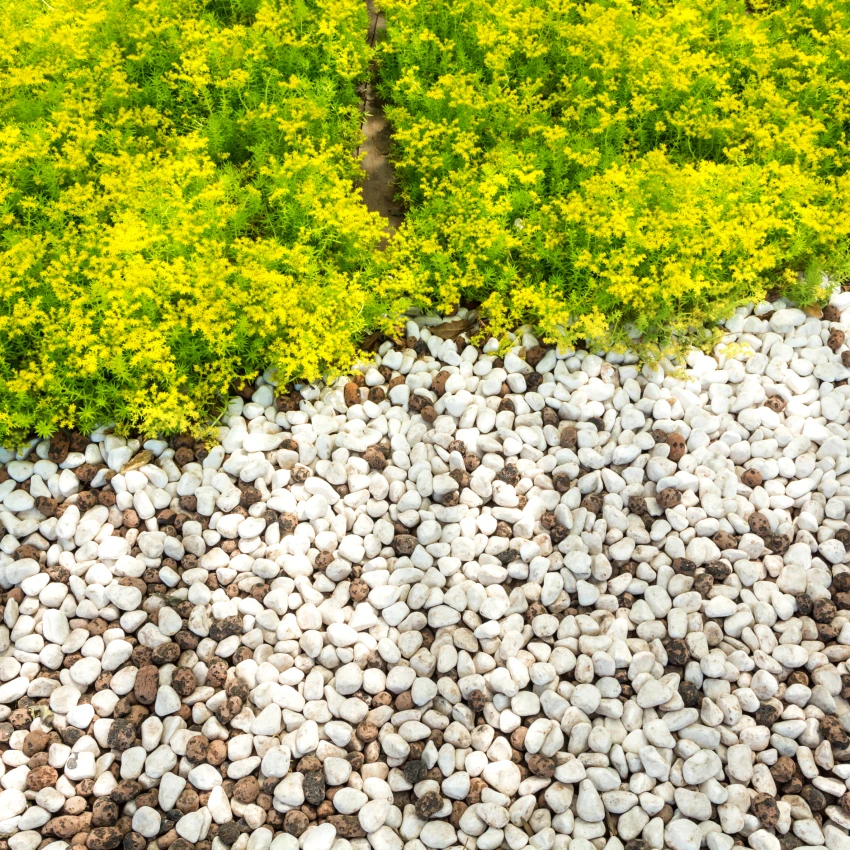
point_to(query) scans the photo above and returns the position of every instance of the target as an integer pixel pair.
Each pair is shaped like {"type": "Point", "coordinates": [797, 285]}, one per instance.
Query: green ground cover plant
{"type": "Point", "coordinates": [609, 168]}
{"type": "Point", "coordinates": [178, 204]}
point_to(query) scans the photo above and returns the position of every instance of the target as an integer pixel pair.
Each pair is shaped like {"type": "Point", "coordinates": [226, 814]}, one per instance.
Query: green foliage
{"type": "Point", "coordinates": [603, 168]}
{"type": "Point", "coordinates": [178, 184]}
{"type": "Point", "coordinates": [177, 203]}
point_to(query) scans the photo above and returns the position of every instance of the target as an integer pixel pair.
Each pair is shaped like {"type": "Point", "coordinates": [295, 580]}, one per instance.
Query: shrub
{"type": "Point", "coordinates": [605, 168]}
{"type": "Point", "coordinates": [178, 205]}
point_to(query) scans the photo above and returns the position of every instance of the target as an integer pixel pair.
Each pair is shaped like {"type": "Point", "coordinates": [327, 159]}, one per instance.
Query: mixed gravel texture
{"type": "Point", "coordinates": [538, 599]}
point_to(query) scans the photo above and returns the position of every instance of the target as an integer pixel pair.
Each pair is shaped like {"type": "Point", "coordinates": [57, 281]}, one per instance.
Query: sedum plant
{"type": "Point", "coordinates": [606, 169]}
{"type": "Point", "coordinates": [178, 205]}
{"type": "Point", "coordinates": [178, 183]}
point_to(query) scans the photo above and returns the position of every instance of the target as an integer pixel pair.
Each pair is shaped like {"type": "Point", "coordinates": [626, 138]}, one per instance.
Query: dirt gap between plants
{"type": "Point", "coordinates": [378, 189]}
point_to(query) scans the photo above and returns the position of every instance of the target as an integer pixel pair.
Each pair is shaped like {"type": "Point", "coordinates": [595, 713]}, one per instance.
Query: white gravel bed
{"type": "Point", "coordinates": [544, 599]}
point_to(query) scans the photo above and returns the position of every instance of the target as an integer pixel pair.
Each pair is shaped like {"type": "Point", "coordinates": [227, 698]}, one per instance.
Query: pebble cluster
{"type": "Point", "coordinates": [468, 599]}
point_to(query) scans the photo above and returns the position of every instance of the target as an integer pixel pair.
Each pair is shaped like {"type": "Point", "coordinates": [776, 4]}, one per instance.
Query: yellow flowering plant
{"type": "Point", "coordinates": [178, 203]}
{"type": "Point", "coordinates": [618, 170]}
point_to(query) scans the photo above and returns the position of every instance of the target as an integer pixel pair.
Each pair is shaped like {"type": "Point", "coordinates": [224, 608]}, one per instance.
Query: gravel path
{"type": "Point", "coordinates": [541, 600]}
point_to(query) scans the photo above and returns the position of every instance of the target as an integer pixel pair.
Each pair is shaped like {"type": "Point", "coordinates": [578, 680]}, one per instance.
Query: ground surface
{"type": "Point", "coordinates": [538, 599]}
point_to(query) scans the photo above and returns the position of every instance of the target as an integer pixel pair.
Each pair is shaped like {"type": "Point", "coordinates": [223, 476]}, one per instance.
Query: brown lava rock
{"type": "Point", "coordinates": [689, 693]}
{"type": "Point", "coordinates": [41, 777]}
{"type": "Point", "coordinates": [815, 798]}
{"type": "Point", "coordinates": [46, 505]}
{"type": "Point", "coordinates": [86, 472]}
{"type": "Point", "coordinates": [509, 474]}
{"type": "Point", "coordinates": [823, 610]}
{"type": "Point", "coordinates": [105, 812]}
{"type": "Point", "coordinates": [777, 543]}
{"type": "Point", "coordinates": [561, 481]}
{"type": "Point", "coordinates": [65, 826]}
{"type": "Point", "coordinates": [718, 570]}
{"type": "Point", "coordinates": [146, 685]}
{"type": "Point", "coordinates": [166, 653]}
{"type": "Point", "coordinates": [833, 731]}
{"type": "Point", "coordinates": [247, 789]}
{"type": "Point", "coordinates": [347, 826]}
{"type": "Point", "coordinates": [765, 809]}
{"type": "Point", "coordinates": [476, 786]}
{"type": "Point", "coordinates": [217, 753]}
{"type": "Point", "coordinates": [225, 628]}
{"type": "Point", "coordinates": [134, 841]}
{"type": "Point", "coordinates": [534, 355]}
{"type": "Point", "coordinates": [351, 394]}
{"type": "Point", "coordinates": [677, 652]}
{"type": "Point", "coordinates": [404, 701]}
{"type": "Point", "coordinates": [724, 540]}
{"type": "Point", "coordinates": [404, 544]}
{"type": "Point", "coordinates": [759, 524]}
{"type": "Point", "coordinates": [121, 735]}
{"type": "Point", "coordinates": [428, 804]}
{"type": "Point", "coordinates": [776, 403]}
{"type": "Point", "coordinates": [375, 458]}
{"type": "Point", "coordinates": [188, 801]}
{"type": "Point", "coordinates": [229, 709]}
{"type": "Point", "coordinates": [27, 551]}
{"type": "Point", "coordinates": [183, 681]}
{"type": "Point", "coordinates": [35, 742]}
{"type": "Point", "coordinates": [541, 765]}
{"type": "Point", "coordinates": [669, 498]}
{"type": "Point", "coordinates": [366, 731]}
{"type": "Point", "coordinates": [60, 446]}
{"type": "Point", "coordinates": [314, 787]}
{"type": "Point", "coordinates": [295, 822]}
{"type": "Point", "coordinates": [569, 437]}
{"type": "Point", "coordinates": [414, 771]}
{"type": "Point", "coordinates": [125, 790]}
{"type": "Point", "coordinates": [439, 382]}
{"type": "Point", "coordinates": [503, 529]}
{"type": "Point", "coordinates": [678, 447]}
{"type": "Point", "coordinates": [703, 584]}
{"type": "Point", "coordinates": [358, 590]}
{"type": "Point", "coordinates": [228, 833]}
{"type": "Point", "coordinates": [309, 764]}
{"type": "Point", "coordinates": [104, 838]}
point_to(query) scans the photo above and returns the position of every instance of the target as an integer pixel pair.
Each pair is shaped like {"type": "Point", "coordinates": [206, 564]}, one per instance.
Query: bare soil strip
{"type": "Point", "coordinates": [378, 189]}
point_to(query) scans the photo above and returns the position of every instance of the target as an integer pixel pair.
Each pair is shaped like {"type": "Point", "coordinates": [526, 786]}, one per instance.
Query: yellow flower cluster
{"type": "Point", "coordinates": [178, 205]}
{"type": "Point", "coordinates": [609, 168]}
